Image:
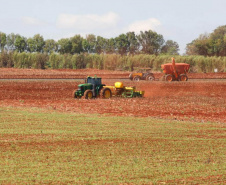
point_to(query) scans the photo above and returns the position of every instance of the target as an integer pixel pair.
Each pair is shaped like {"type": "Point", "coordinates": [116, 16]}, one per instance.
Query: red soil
{"type": "Point", "coordinates": [192, 100]}
{"type": "Point", "coordinates": [83, 73]}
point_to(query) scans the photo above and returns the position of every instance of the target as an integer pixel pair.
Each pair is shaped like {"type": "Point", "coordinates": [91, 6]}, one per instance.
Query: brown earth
{"type": "Point", "coordinates": [13, 73]}
{"type": "Point", "coordinates": [191, 100]}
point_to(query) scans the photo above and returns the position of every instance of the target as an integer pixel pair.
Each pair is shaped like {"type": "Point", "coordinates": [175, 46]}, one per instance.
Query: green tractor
{"type": "Point", "coordinates": [92, 88]}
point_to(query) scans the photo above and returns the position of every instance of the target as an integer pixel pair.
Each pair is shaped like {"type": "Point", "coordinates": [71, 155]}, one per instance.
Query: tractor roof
{"type": "Point", "coordinates": [143, 69]}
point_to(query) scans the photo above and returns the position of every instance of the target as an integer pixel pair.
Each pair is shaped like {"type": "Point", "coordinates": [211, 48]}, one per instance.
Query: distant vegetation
{"type": "Point", "coordinates": [125, 52]}
{"type": "Point", "coordinates": [148, 42]}
{"type": "Point", "coordinates": [107, 61]}
{"type": "Point", "coordinates": [213, 44]}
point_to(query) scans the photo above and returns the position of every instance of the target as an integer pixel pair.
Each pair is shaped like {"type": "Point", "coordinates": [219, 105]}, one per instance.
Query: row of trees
{"type": "Point", "coordinates": [148, 42]}
{"type": "Point", "coordinates": [107, 61]}
{"type": "Point", "coordinates": [213, 44]}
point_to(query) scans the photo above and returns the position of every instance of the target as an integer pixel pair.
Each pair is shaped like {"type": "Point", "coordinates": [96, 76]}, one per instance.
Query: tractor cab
{"type": "Point", "coordinates": [91, 87]}
{"type": "Point", "coordinates": [93, 80]}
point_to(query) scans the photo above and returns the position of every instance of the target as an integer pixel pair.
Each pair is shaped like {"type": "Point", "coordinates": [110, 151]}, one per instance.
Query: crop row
{"type": "Point", "coordinates": [108, 61]}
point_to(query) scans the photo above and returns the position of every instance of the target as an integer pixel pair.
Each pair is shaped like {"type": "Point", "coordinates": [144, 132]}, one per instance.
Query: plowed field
{"type": "Point", "coordinates": [83, 73]}
{"type": "Point", "coordinates": [193, 100]}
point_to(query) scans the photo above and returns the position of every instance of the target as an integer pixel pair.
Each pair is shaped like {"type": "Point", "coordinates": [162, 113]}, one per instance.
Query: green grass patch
{"type": "Point", "coordinates": [39, 147]}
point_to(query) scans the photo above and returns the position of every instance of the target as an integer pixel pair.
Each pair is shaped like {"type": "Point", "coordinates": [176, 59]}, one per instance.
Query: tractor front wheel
{"type": "Point", "coordinates": [105, 93]}
{"type": "Point", "coordinates": [88, 94]}
{"type": "Point", "coordinates": [136, 78]}
{"type": "Point", "coordinates": [74, 94]}
{"type": "Point", "coordinates": [169, 78]}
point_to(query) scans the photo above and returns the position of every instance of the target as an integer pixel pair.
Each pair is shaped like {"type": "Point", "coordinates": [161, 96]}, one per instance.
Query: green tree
{"type": "Point", "coordinates": [39, 42]}
{"type": "Point", "coordinates": [110, 46]}
{"type": "Point", "coordinates": [101, 44]}
{"type": "Point", "coordinates": [20, 43]}
{"type": "Point", "coordinates": [85, 46]}
{"type": "Point", "coordinates": [2, 40]}
{"type": "Point", "coordinates": [150, 42]}
{"type": "Point", "coordinates": [191, 49]}
{"type": "Point", "coordinates": [76, 42]}
{"type": "Point", "coordinates": [199, 46]}
{"type": "Point", "coordinates": [217, 41]}
{"type": "Point", "coordinates": [122, 44]}
{"type": "Point", "coordinates": [89, 43]}
{"type": "Point", "coordinates": [36, 43]}
{"type": "Point", "coordinates": [170, 47]}
{"type": "Point", "coordinates": [133, 42]}
{"type": "Point", "coordinates": [209, 44]}
{"type": "Point", "coordinates": [50, 46]}
{"type": "Point", "coordinates": [64, 46]}
{"type": "Point", "coordinates": [31, 46]}
{"type": "Point", "coordinates": [10, 42]}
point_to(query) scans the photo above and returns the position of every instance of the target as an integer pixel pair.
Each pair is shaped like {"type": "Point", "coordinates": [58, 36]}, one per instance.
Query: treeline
{"type": "Point", "coordinates": [213, 44]}
{"type": "Point", "coordinates": [125, 52]}
{"type": "Point", "coordinates": [147, 42]}
{"type": "Point", "coordinates": [107, 61]}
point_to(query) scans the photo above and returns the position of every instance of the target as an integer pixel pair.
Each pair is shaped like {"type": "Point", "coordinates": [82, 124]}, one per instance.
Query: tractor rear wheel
{"type": "Point", "coordinates": [150, 78]}
{"type": "Point", "coordinates": [88, 94]}
{"type": "Point", "coordinates": [169, 78]}
{"type": "Point", "coordinates": [105, 93]}
{"type": "Point", "coordinates": [136, 78]}
{"type": "Point", "coordinates": [183, 77]}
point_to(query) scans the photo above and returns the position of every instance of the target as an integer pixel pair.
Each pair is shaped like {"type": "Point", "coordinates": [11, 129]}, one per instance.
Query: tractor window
{"type": "Point", "coordinates": [96, 81]}
{"type": "Point", "coordinates": [89, 80]}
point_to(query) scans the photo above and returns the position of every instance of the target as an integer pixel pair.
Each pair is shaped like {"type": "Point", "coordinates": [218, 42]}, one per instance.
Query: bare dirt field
{"type": "Point", "coordinates": [193, 100]}
{"type": "Point", "coordinates": [83, 73]}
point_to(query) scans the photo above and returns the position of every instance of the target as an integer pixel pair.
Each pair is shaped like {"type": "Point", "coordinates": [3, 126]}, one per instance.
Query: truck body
{"type": "Point", "coordinates": [175, 71]}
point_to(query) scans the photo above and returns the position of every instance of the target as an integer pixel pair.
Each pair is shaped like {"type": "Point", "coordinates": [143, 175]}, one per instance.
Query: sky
{"type": "Point", "coordinates": [179, 20]}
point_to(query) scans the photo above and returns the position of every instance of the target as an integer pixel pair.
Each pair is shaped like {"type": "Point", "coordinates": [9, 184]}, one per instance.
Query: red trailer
{"type": "Point", "coordinates": [175, 71]}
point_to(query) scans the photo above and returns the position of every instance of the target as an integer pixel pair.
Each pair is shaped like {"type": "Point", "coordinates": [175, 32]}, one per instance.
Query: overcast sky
{"type": "Point", "coordinates": [178, 20]}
